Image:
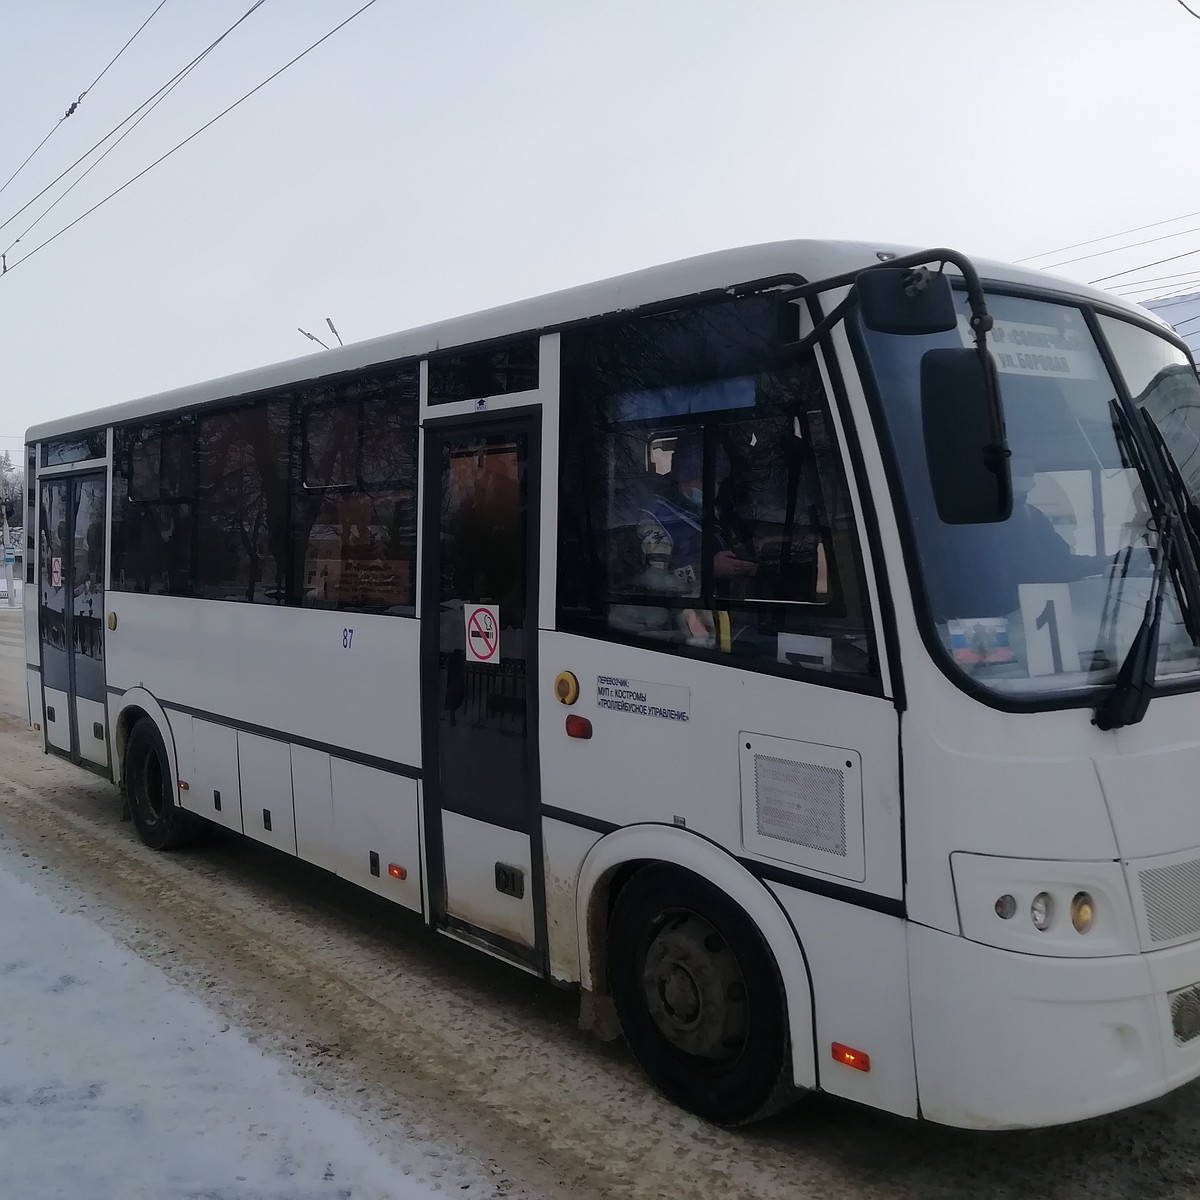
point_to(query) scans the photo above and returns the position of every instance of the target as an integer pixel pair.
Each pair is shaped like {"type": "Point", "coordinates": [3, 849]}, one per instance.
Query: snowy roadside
{"type": "Point", "coordinates": [115, 1084]}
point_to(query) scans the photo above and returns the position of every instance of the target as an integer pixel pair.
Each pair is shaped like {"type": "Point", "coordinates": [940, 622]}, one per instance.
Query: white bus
{"type": "Point", "coordinates": [795, 648]}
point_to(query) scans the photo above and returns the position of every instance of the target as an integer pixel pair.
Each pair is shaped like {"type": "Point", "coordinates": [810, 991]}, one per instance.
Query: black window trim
{"type": "Point", "coordinates": [870, 684]}
{"type": "Point", "coordinates": [448, 353]}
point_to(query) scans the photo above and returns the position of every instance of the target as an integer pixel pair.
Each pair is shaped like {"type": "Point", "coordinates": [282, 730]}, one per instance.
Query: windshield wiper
{"type": "Point", "coordinates": [1189, 517]}
{"type": "Point", "coordinates": [1129, 697]}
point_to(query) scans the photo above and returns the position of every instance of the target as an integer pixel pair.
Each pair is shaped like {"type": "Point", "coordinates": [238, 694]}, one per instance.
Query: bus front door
{"type": "Point", "coordinates": [71, 617]}
{"type": "Point", "coordinates": [478, 629]}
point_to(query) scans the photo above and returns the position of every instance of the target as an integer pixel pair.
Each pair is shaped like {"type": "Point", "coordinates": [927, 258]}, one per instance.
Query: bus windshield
{"type": "Point", "coordinates": [1050, 599]}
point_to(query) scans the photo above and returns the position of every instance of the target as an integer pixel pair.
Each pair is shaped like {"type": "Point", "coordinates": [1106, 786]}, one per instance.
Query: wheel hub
{"type": "Point", "coordinates": [694, 989]}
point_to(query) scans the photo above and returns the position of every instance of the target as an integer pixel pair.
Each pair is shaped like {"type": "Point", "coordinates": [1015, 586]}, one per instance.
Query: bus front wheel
{"type": "Point", "coordinates": [160, 823]}
{"type": "Point", "coordinates": [699, 997]}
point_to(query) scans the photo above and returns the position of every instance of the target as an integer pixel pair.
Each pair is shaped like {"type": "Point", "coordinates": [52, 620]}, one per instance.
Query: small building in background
{"type": "Point", "coordinates": [1183, 312]}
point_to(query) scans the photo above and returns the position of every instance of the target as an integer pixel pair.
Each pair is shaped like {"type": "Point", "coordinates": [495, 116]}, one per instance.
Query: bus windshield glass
{"type": "Point", "coordinates": [1049, 600]}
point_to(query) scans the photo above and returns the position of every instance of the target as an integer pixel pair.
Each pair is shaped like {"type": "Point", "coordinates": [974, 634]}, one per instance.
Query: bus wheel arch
{"type": "Point", "coordinates": [133, 706]}
{"type": "Point", "coordinates": [642, 852]}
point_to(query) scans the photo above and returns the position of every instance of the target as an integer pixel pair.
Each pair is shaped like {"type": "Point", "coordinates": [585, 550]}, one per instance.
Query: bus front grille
{"type": "Point", "coordinates": [1171, 895]}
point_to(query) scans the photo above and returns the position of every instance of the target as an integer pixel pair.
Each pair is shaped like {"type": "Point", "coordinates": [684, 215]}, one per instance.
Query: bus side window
{"type": "Point", "coordinates": [705, 512]}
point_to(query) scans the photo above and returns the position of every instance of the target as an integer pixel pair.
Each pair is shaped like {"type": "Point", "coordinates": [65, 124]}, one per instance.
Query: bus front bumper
{"type": "Point", "coordinates": [1006, 1040]}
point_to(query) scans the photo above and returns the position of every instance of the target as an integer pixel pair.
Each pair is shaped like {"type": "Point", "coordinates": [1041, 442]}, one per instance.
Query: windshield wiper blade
{"type": "Point", "coordinates": [1189, 518]}
{"type": "Point", "coordinates": [1129, 698]}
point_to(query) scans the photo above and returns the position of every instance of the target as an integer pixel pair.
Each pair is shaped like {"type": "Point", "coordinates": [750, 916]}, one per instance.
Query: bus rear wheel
{"type": "Point", "coordinates": [699, 997]}
{"type": "Point", "coordinates": [160, 823]}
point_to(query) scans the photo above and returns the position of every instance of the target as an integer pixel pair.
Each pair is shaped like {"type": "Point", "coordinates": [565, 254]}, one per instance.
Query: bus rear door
{"type": "Point", "coordinates": [71, 617]}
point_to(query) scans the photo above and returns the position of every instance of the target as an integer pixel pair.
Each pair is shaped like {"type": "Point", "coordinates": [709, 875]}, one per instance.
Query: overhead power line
{"type": "Point", "coordinates": [1108, 237]}
{"type": "Point", "coordinates": [1158, 279]}
{"type": "Point", "coordinates": [1143, 267]}
{"type": "Point", "coordinates": [1162, 237]}
{"type": "Point", "coordinates": [71, 109]}
{"type": "Point", "coordinates": [1186, 9]}
{"type": "Point", "coordinates": [1179, 289]}
{"type": "Point", "coordinates": [160, 97]}
{"type": "Point", "coordinates": [179, 145]}
{"type": "Point", "coordinates": [152, 99]}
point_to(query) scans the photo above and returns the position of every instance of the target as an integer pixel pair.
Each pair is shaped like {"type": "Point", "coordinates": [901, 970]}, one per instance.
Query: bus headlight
{"type": "Point", "coordinates": [1043, 906]}
{"type": "Point", "coordinates": [1083, 912]}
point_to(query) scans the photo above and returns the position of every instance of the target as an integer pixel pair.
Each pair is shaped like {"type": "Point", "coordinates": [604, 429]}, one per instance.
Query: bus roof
{"type": "Point", "coordinates": [813, 260]}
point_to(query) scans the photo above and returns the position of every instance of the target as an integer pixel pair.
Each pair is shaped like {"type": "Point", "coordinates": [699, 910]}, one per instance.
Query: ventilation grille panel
{"type": "Point", "coordinates": [801, 803]}
{"type": "Point", "coordinates": [1171, 895]}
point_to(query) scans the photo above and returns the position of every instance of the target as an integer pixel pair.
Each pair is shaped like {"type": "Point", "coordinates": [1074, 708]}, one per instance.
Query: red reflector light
{"type": "Point", "coordinates": [37, 725]}
{"type": "Point", "coordinates": [850, 1057]}
{"type": "Point", "coordinates": [397, 872]}
{"type": "Point", "coordinates": [579, 727]}
{"type": "Point", "coordinates": [183, 785]}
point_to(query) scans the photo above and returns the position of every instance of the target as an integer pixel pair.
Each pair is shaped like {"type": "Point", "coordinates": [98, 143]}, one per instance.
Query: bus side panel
{"type": "Point", "coordinates": [375, 813]}
{"type": "Point", "coordinates": [343, 680]}
{"type": "Point", "coordinates": [564, 849]}
{"type": "Point", "coordinates": [215, 790]}
{"type": "Point", "coordinates": [676, 756]}
{"type": "Point", "coordinates": [858, 962]}
{"type": "Point", "coordinates": [265, 774]}
{"type": "Point", "coordinates": [33, 688]}
{"type": "Point", "coordinates": [58, 720]}
{"type": "Point", "coordinates": [312, 794]}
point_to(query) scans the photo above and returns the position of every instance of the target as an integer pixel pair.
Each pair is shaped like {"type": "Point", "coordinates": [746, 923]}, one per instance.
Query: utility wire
{"type": "Point", "coordinates": [170, 82]}
{"type": "Point", "coordinates": [66, 192]}
{"type": "Point", "coordinates": [1162, 237]}
{"type": "Point", "coordinates": [191, 136]}
{"type": "Point", "coordinates": [1186, 9]}
{"type": "Point", "coordinates": [1167, 298]}
{"type": "Point", "coordinates": [1130, 292]}
{"type": "Point", "coordinates": [1159, 278]}
{"type": "Point", "coordinates": [71, 110]}
{"type": "Point", "coordinates": [1144, 266]}
{"type": "Point", "coordinates": [1108, 237]}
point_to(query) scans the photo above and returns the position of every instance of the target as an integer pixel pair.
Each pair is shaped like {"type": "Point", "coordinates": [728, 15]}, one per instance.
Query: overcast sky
{"type": "Point", "coordinates": [435, 158]}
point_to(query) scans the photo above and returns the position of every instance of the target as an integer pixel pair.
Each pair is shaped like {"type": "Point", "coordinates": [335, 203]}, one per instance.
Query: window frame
{"type": "Point", "coordinates": [876, 627]}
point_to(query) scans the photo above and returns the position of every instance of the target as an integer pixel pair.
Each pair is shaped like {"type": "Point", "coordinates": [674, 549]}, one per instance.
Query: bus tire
{"type": "Point", "coordinates": [160, 823]}
{"type": "Point", "coordinates": [699, 997]}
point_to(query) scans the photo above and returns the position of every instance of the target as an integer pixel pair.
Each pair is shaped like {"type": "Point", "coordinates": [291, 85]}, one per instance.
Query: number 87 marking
{"type": "Point", "coordinates": [347, 638]}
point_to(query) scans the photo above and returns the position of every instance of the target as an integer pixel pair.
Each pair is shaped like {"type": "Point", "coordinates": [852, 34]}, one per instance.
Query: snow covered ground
{"type": "Point", "coordinates": [115, 1084]}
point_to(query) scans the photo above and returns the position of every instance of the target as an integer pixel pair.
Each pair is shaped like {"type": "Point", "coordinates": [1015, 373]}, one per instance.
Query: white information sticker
{"type": "Point", "coordinates": [1050, 646]}
{"type": "Point", "coordinates": [804, 650]}
{"type": "Point", "coordinates": [637, 698]}
{"type": "Point", "coordinates": [1043, 350]}
{"type": "Point", "coordinates": [483, 632]}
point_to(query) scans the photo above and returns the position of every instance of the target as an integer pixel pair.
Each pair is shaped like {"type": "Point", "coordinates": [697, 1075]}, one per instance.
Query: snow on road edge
{"type": "Point", "coordinates": [116, 1083]}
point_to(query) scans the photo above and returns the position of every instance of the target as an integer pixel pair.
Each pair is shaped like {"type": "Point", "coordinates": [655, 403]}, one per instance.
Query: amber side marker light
{"type": "Point", "coordinates": [579, 727]}
{"type": "Point", "coordinates": [396, 871]}
{"type": "Point", "coordinates": [850, 1057]}
{"type": "Point", "coordinates": [183, 785]}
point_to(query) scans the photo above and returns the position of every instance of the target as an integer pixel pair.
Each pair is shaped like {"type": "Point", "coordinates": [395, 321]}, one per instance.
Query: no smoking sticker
{"type": "Point", "coordinates": [56, 572]}
{"type": "Point", "coordinates": [483, 632]}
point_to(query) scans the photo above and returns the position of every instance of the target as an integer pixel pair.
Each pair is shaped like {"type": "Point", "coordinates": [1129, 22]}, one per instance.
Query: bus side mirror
{"type": "Point", "coordinates": [965, 449]}
{"type": "Point", "coordinates": [906, 300]}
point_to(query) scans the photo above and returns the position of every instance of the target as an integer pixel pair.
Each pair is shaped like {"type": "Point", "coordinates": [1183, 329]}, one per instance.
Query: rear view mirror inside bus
{"type": "Point", "coordinates": [901, 300]}
{"type": "Point", "coordinates": [963, 428]}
